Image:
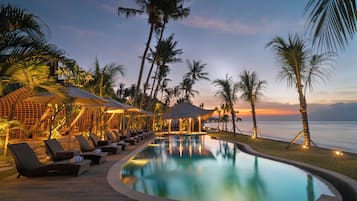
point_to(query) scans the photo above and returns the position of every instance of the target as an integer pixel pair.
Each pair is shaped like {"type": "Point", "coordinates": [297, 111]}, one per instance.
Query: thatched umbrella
{"type": "Point", "coordinates": [186, 110]}
{"type": "Point", "coordinates": [77, 96]}
{"type": "Point", "coordinates": [116, 107]}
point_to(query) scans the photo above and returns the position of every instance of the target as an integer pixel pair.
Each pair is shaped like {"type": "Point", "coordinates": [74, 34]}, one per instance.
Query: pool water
{"type": "Point", "coordinates": [198, 168]}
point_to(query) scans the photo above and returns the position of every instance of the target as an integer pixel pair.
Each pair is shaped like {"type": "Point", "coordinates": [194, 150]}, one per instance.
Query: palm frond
{"type": "Point", "coordinates": [332, 23]}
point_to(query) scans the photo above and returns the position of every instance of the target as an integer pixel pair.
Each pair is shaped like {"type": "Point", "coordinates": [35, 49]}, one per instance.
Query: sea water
{"type": "Point", "coordinates": [341, 135]}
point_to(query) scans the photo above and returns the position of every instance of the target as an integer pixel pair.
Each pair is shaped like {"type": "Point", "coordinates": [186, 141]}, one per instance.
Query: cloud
{"type": "Point", "coordinates": [265, 25]}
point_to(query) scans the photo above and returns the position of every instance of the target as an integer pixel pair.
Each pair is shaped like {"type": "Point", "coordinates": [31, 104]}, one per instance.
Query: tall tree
{"type": "Point", "coordinates": [195, 71]}
{"type": "Point", "coordinates": [332, 22]}
{"type": "Point", "coordinates": [300, 68]}
{"type": "Point", "coordinates": [251, 88]}
{"type": "Point", "coordinates": [23, 45]}
{"type": "Point", "coordinates": [151, 9]}
{"type": "Point", "coordinates": [166, 53]}
{"type": "Point", "coordinates": [227, 92]}
{"type": "Point", "coordinates": [187, 91]}
{"type": "Point", "coordinates": [104, 78]}
{"type": "Point", "coordinates": [170, 10]}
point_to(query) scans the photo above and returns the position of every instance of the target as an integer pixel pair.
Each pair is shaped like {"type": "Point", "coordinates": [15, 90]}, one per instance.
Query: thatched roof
{"type": "Point", "coordinates": [186, 110]}
{"type": "Point", "coordinates": [114, 106]}
{"type": "Point", "coordinates": [79, 96]}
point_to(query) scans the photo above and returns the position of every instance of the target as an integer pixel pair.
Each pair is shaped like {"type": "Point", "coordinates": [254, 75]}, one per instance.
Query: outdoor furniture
{"type": "Point", "coordinates": [28, 165]}
{"type": "Point", "coordinates": [127, 139]}
{"type": "Point", "coordinates": [85, 147]}
{"type": "Point", "coordinates": [57, 153]}
{"type": "Point", "coordinates": [112, 139]}
{"type": "Point", "coordinates": [104, 146]}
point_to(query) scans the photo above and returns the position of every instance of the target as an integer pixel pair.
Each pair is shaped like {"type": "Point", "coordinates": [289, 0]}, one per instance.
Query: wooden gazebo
{"type": "Point", "coordinates": [188, 111]}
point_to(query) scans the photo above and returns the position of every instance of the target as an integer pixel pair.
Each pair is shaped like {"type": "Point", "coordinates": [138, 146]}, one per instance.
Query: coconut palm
{"type": "Point", "coordinates": [187, 90]}
{"type": "Point", "coordinates": [332, 22]}
{"type": "Point", "coordinates": [166, 52]}
{"type": "Point", "coordinates": [227, 92]}
{"type": "Point", "coordinates": [104, 78]}
{"type": "Point", "coordinates": [300, 68]}
{"type": "Point", "coordinates": [74, 75]}
{"type": "Point", "coordinates": [164, 70]}
{"type": "Point", "coordinates": [196, 71]}
{"type": "Point", "coordinates": [169, 10]}
{"type": "Point", "coordinates": [151, 9]}
{"type": "Point", "coordinates": [251, 88]}
{"type": "Point", "coordinates": [22, 45]}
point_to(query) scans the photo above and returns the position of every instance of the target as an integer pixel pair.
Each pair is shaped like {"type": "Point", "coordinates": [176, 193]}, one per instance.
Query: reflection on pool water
{"type": "Point", "coordinates": [199, 168]}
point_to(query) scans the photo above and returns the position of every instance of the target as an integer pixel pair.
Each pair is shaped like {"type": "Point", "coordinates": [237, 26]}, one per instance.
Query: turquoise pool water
{"type": "Point", "coordinates": [198, 168]}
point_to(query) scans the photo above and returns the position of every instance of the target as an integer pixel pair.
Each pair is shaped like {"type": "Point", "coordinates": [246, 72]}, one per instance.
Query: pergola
{"type": "Point", "coordinates": [188, 111]}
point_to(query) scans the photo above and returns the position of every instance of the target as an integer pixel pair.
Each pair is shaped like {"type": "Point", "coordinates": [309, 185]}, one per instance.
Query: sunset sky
{"type": "Point", "coordinates": [227, 35]}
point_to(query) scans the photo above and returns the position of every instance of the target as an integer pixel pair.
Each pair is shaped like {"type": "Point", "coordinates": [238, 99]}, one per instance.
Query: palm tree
{"type": "Point", "coordinates": [196, 71]}
{"type": "Point", "coordinates": [104, 78]}
{"type": "Point", "coordinates": [187, 90]}
{"type": "Point", "coordinates": [170, 10]}
{"type": "Point", "coordinates": [332, 22]}
{"type": "Point", "coordinates": [251, 88]}
{"type": "Point", "coordinates": [300, 68]}
{"type": "Point", "coordinates": [120, 90]}
{"type": "Point", "coordinates": [22, 45]}
{"type": "Point", "coordinates": [151, 9]}
{"type": "Point", "coordinates": [74, 75]}
{"type": "Point", "coordinates": [166, 52]}
{"type": "Point", "coordinates": [227, 92]}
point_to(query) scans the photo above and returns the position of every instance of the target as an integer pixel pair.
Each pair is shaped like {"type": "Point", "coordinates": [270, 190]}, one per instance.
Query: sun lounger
{"type": "Point", "coordinates": [125, 138]}
{"type": "Point", "coordinates": [112, 139]}
{"type": "Point", "coordinates": [104, 145]}
{"type": "Point", "coordinates": [57, 153]}
{"type": "Point", "coordinates": [28, 165]}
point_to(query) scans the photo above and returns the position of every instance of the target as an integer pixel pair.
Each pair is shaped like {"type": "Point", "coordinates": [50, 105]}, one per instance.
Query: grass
{"type": "Point", "coordinates": [324, 158]}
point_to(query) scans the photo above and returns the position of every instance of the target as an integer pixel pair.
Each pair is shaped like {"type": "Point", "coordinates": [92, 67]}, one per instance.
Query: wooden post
{"type": "Point", "coordinates": [169, 128]}
{"type": "Point", "coordinates": [199, 125]}
{"type": "Point", "coordinates": [189, 125]}
{"type": "Point", "coordinates": [180, 126]}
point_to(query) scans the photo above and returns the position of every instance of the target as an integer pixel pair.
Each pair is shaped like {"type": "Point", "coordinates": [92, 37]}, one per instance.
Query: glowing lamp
{"type": "Point", "coordinates": [304, 147]}
{"type": "Point", "coordinates": [338, 153]}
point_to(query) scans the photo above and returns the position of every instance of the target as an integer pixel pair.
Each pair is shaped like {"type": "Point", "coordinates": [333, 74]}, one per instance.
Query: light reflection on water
{"type": "Point", "coordinates": [199, 168]}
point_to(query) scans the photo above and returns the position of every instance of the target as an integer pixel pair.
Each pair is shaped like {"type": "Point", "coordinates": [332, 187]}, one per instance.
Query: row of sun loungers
{"type": "Point", "coordinates": [73, 162]}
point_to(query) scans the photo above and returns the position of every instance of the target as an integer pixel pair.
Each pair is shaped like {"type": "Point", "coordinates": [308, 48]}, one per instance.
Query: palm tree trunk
{"type": "Point", "coordinates": [233, 118]}
{"type": "Point", "coordinates": [255, 128]}
{"type": "Point", "coordinates": [151, 67]}
{"type": "Point", "coordinates": [219, 119]}
{"type": "Point", "coordinates": [142, 64]}
{"type": "Point", "coordinates": [157, 87]}
{"type": "Point", "coordinates": [154, 82]}
{"type": "Point", "coordinates": [305, 122]}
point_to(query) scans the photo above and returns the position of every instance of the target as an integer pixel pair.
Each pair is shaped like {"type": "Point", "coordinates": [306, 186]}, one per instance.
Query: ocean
{"type": "Point", "coordinates": [340, 135]}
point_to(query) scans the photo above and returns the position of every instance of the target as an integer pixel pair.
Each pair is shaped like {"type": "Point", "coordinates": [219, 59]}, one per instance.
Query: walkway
{"type": "Point", "coordinates": [91, 185]}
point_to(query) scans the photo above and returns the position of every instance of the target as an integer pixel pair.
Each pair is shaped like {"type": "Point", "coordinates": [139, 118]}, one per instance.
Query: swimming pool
{"type": "Point", "coordinates": [198, 168]}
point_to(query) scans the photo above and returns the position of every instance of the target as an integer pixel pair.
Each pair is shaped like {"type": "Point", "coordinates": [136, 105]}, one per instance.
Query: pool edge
{"type": "Point", "coordinates": [113, 178]}
{"type": "Point", "coordinates": [346, 186]}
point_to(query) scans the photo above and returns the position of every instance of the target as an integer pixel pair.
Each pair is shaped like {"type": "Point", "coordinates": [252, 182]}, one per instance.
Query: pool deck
{"type": "Point", "coordinates": [91, 185]}
{"type": "Point", "coordinates": [101, 182]}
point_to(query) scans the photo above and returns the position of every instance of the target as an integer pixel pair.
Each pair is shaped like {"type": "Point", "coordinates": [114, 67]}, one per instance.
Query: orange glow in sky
{"type": "Point", "coordinates": [246, 112]}
{"type": "Point", "coordinates": [266, 111]}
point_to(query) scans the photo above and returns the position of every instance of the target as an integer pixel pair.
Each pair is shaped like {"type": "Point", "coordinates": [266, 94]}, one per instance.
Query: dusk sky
{"type": "Point", "coordinates": [227, 35]}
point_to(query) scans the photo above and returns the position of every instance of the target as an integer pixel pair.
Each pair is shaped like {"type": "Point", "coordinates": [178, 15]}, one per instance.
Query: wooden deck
{"type": "Point", "coordinates": [91, 185]}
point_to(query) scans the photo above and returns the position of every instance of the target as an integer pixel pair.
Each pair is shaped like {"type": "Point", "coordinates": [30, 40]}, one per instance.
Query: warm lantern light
{"type": "Point", "coordinates": [338, 153]}
{"type": "Point", "coordinates": [304, 147]}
